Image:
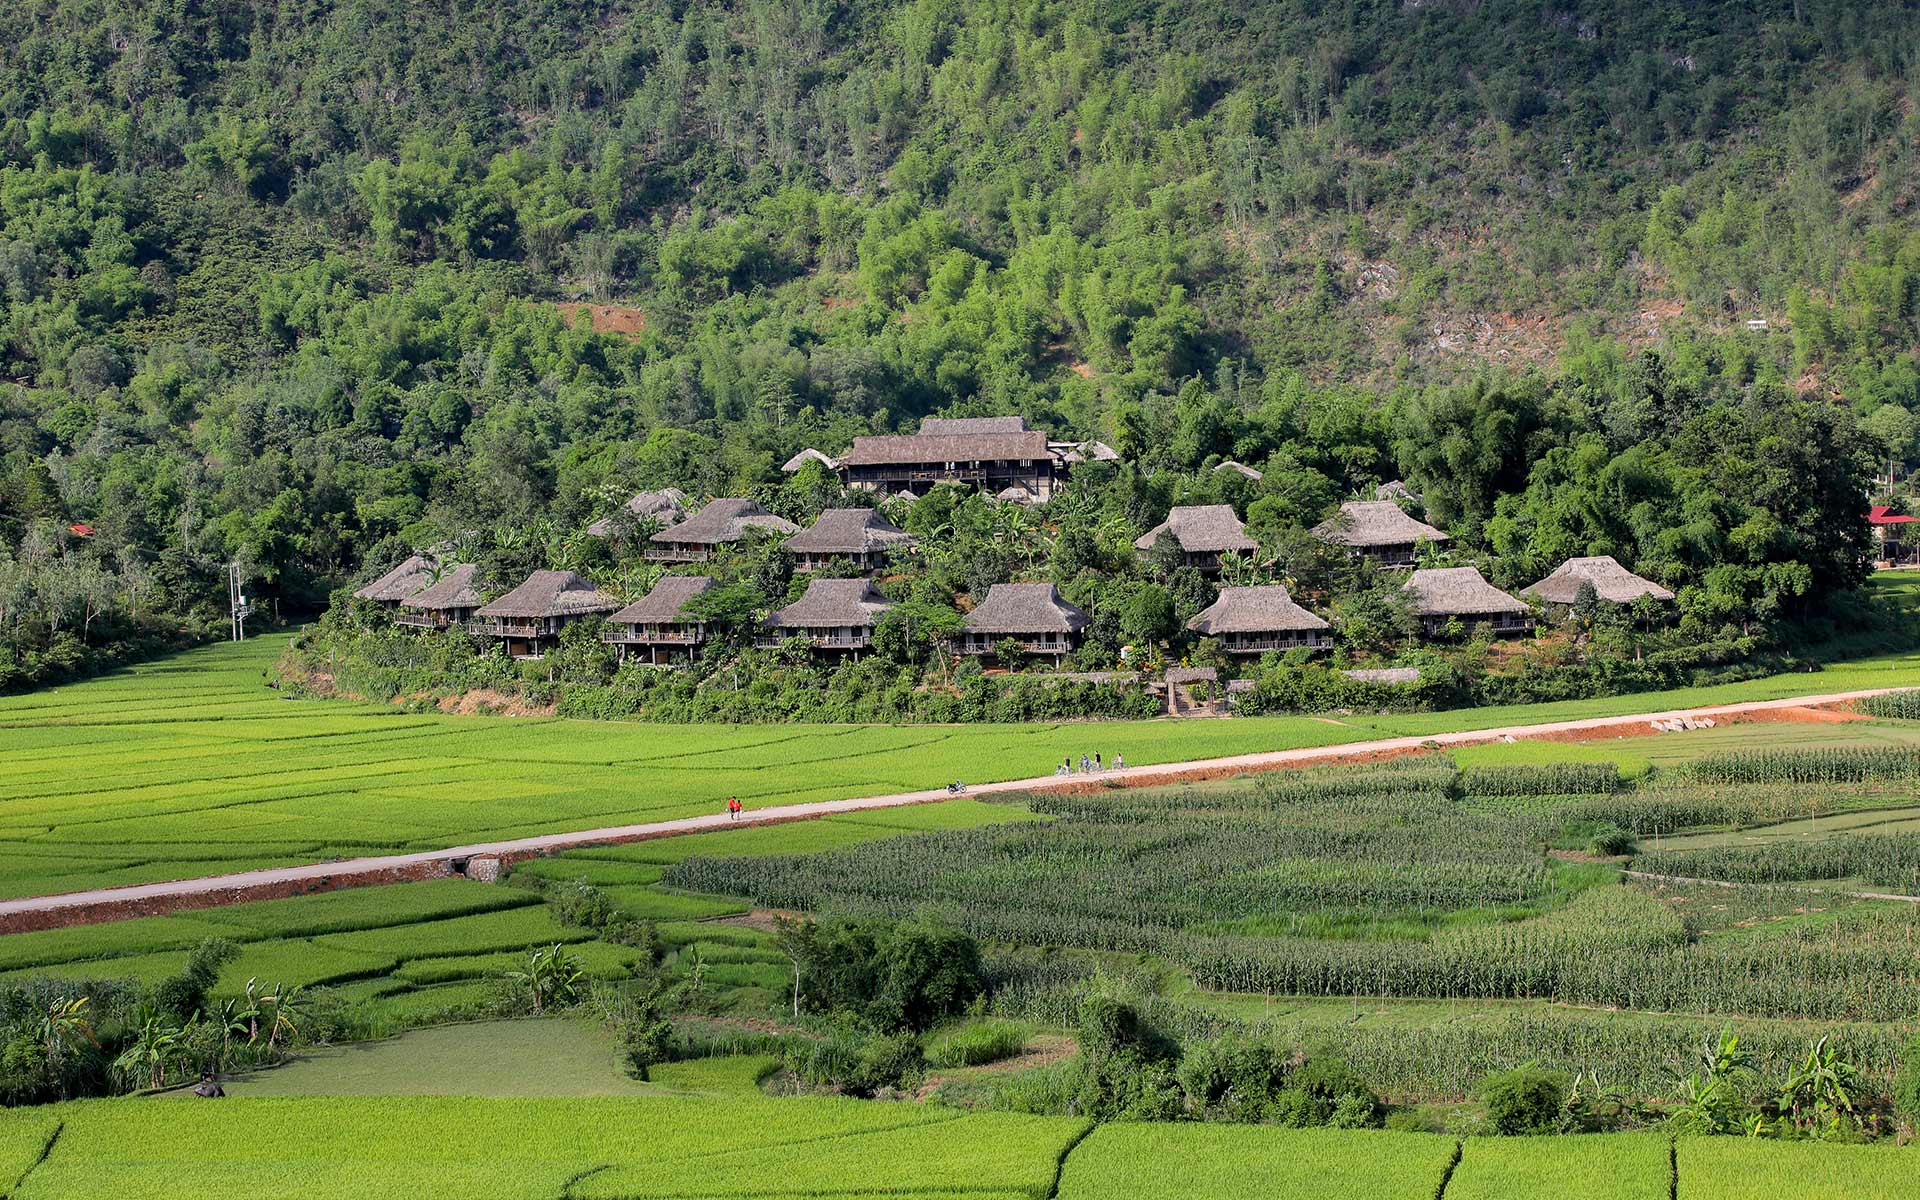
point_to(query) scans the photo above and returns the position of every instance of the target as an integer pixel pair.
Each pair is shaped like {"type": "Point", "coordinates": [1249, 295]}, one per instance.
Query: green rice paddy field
{"type": "Point", "coordinates": [192, 766]}
{"type": "Point", "coordinates": [737, 1145]}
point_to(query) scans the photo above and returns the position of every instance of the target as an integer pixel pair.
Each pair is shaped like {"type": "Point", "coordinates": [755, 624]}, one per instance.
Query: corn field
{"type": "Point", "coordinates": [1894, 706]}
{"type": "Point", "coordinates": [1838, 764]}
{"type": "Point", "coordinates": [1886, 860]}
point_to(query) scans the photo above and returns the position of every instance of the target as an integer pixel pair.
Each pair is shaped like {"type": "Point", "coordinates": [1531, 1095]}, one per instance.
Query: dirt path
{"type": "Point", "coordinates": [151, 899]}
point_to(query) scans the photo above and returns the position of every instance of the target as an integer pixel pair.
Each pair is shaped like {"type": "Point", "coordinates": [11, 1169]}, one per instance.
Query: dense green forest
{"type": "Point", "coordinates": [280, 281]}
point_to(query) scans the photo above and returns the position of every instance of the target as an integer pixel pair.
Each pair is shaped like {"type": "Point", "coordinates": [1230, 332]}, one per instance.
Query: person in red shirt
{"type": "Point", "coordinates": [733, 808]}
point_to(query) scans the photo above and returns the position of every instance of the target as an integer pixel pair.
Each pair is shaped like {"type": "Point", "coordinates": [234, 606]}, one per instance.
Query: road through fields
{"type": "Point", "coordinates": [150, 899]}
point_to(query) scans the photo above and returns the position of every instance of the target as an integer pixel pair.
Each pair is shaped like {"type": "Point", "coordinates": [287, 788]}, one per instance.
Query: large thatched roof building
{"type": "Point", "coordinates": [722, 522]}
{"type": "Point", "coordinates": [1032, 614]}
{"type": "Point", "coordinates": [833, 614]}
{"type": "Point", "coordinates": [529, 618]}
{"type": "Point", "coordinates": [859, 535]}
{"type": "Point", "coordinates": [991, 453]}
{"type": "Point", "coordinates": [1203, 532]}
{"type": "Point", "coordinates": [1444, 594]}
{"type": "Point", "coordinates": [1254, 620]}
{"type": "Point", "coordinates": [1379, 529]}
{"type": "Point", "coordinates": [657, 625]}
{"type": "Point", "coordinates": [448, 601]}
{"type": "Point", "coordinates": [667, 506]}
{"type": "Point", "coordinates": [1611, 582]}
{"type": "Point", "coordinates": [408, 579]}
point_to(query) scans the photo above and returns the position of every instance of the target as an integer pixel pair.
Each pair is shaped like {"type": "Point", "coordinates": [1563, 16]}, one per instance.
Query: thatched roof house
{"type": "Point", "coordinates": [1084, 452]}
{"type": "Point", "coordinates": [1203, 532]}
{"type": "Point", "coordinates": [806, 456]}
{"type": "Point", "coordinates": [859, 535]}
{"type": "Point", "coordinates": [1254, 620]}
{"type": "Point", "coordinates": [834, 614]}
{"type": "Point", "coordinates": [970, 426]}
{"type": "Point", "coordinates": [1240, 468]}
{"type": "Point", "coordinates": [1444, 594]}
{"type": "Point", "coordinates": [991, 453]}
{"type": "Point", "coordinates": [1611, 581]}
{"type": "Point", "coordinates": [667, 506]}
{"type": "Point", "coordinates": [1033, 614]}
{"type": "Point", "coordinates": [449, 601]}
{"type": "Point", "coordinates": [723, 521]}
{"type": "Point", "coordinates": [657, 624]}
{"type": "Point", "coordinates": [1379, 529]}
{"type": "Point", "coordinates": [1395, 490]}
{"type": "Point", "coordinates": [408, 579]}
{"type": "Point", "coordinates": [529, 618]}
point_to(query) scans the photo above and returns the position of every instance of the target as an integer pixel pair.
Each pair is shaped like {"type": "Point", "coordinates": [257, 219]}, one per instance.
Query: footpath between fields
{"type": "Point", "coordinates": [485, 860]}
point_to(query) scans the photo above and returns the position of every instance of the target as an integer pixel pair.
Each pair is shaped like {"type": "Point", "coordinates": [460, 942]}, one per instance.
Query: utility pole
{"type": "Point", "coordinates": [237, 605]}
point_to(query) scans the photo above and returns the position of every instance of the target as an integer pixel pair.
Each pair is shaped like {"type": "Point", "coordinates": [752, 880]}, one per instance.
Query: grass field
{"type": "Point", "coordinates": [742, 1145]}
{"type": "Point", "coordinates": [191, 766]}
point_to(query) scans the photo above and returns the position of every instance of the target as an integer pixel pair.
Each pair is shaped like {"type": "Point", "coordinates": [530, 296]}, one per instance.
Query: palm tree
{"type": "Point", "coordinates": [155, 1047]}
{"type": "Point", "coordinates": [60, 1033]}
{"type": "Point", "coordinates": [282, 1007]}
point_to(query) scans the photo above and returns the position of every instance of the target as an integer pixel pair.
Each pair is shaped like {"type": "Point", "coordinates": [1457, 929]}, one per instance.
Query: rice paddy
{"type": "Point", "coordinates": [192, 766]}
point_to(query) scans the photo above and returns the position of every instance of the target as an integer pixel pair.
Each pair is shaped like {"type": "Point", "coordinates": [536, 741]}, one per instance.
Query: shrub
{"type": "Point", "coordinates": [858, 1062]}
{"type": "Point", "coordinates": [1609, 839]}
{"type": "Point", "coordinates": [581, 905]}
{"type": "Point", "coordinates": [1525, 1100]}
{"type": "Point", "coordinates": [184, 994]}
{"type": "Point", "coordinates": [983, 1042]}
{"type": "Point", "coordinates": [1906, 1085]}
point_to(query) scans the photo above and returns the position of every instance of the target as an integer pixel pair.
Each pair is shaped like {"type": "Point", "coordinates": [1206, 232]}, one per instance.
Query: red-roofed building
{"type": "Point", "coordinates": [1890, 532]}
{"type": "Point", "coordinates": [80, 529]}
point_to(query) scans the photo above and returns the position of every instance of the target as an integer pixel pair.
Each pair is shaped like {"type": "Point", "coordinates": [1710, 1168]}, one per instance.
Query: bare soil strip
{"type": "Point", "coordinates": [155, 899]}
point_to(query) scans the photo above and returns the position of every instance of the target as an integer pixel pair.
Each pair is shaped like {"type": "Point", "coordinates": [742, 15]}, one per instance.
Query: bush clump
{"type": "Point", "coordinates": [1525, 1100]}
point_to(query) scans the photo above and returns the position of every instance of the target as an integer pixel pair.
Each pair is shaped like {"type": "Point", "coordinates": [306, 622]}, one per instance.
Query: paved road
{"type": "Point", "coordinates": [104, 904]}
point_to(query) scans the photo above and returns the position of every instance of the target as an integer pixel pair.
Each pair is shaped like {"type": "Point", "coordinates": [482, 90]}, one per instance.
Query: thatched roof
{"type": "Point", "coordinates": [1375, 523]}
{"type": "Point", "coordinates": [1181, 676]}
{"type": "Point", "coordinates": [833, 603]}
{"type": "Point", "coordinates": [667, 506]}
{"type": "Point", "coordinates": [1386, 675]}
{"type": "Point", "coordinates": [1267, 609]}
{"type": "Point", "coordinates": [1201, 528]}
{"type": "Point", "coordinates": [1395, 489]}
{"type": "Point", "coordinates": [849, 531]}
{"type": "Point", "coordinates": [903, 449]}
{"type": "Point", "coordinates": [1078, 452]}
{"type": "Point", "coordinates": [551, 594]}
{"type": "Point", "coordinates": [1241, 468]}
{"type": "Point", "coordinates": [806, 456]}
{"type": "Point", "coordinates": [1025, 608]}
{"type": "Point", "coordinates": [457, 589]}
{"type": "Point", "coordinates": [1613, 582]}
{"type": "Point", "coordinates": [970, 426]}
{"type": "Point", "coordinates": [1458, 592]}
{"type": "Point", "coordinates": [724, 520]}
{"type": "Point", "coordinates": [1016, 495]}
{"type": "Point", "coordinates": [666, 602]}
{"type": "Point", "coordinates": [407, 579]}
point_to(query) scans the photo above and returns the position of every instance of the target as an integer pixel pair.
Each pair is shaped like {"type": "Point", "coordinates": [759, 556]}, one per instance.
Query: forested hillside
{"type": "Point", "coordinates": [292, 284]}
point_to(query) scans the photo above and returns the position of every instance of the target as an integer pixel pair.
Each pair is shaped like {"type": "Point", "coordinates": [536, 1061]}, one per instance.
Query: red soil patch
{"type": "Point", "coordinates": [492, 703]}
{"type": "Point", "coordinates": [607, 318]}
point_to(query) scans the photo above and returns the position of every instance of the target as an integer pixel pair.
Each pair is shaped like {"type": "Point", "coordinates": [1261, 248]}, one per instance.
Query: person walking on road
{"type": "Point", "coordinates": [733, 808]}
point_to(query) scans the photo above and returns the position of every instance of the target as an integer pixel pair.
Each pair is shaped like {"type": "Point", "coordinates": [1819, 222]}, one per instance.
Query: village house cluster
{"type": "Point", "coordinates": [1015, 464]}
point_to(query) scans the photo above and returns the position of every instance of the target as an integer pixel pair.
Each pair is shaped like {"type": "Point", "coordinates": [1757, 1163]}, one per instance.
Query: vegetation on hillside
{"type": "Point", "coordinates": [280, 287]}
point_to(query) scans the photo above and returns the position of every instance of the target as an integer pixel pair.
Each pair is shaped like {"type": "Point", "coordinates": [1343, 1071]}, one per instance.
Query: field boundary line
{"type": "Point", "coordinates": [154, 899]}
{"type": "Point", "coordinates": [1690, 881]}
